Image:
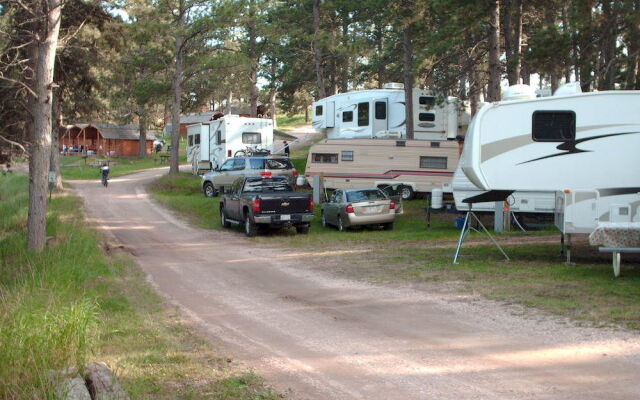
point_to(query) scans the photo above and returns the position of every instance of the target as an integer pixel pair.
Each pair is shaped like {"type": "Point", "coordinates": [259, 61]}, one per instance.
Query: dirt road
{"type": "Point", "coordinates": [330, 338]}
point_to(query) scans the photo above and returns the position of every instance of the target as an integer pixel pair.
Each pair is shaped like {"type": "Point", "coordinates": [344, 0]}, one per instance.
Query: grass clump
{"type": "Point", "coordinates": [284, 121]}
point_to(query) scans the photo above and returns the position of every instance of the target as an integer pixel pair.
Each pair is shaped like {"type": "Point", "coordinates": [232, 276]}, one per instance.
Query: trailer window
{"type": "Point", "coordinates": [218, 138]}
{"type": "Point", "coordinates": [324, 158]}
{"type": "Point", "coordinates": [251, 138]}
{"type": "Point", "coordinates": [433, 162]}
{"type": "Point", "coordinates": [363, 114]}
{"type": "Point", "coordinates": [347, 155]}
{"type": "Point", "coordinates": [318, 111]}
{"type": "Point", "coordinates": [554, 126]}
{"type": "Point", "coordinates": [427, 101]}
{"type": "Point", "coordinates": [347, 116]}
{"type": "Point", "coordinates": [196, 139]}
{"type": "Point", "coordinates": [381, 110]}
{"type": "Point", "coordinates": [190, 140]}
{"type": "Point", "coordinates": [429, 117]}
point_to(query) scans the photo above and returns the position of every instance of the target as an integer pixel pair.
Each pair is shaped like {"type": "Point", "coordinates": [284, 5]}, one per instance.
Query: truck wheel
{"type": "Point", "coordinates": [341, 226]}
{"type": "Point", "coordinates": [209, 190]}
{"type": "Point", "coordinates": [223, 218]}
{"type": "Point", "coordinates": [304, 229]}
{"type": "Point", "coordinates": [407, 193]}
{"type": "Point", "coordinates": [250, 228]}
{"type": "Point", "coordinates": [388, 226]}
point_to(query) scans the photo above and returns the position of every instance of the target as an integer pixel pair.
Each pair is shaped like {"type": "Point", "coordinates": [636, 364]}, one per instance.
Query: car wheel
{"type": "Point", "coordinates": [324, 221]}
{"type": "Point", "coordinates": [304, 229]}
{"type": "Point", "coordinates": [250, 228]}
{"type": "Point", "coordinates": [341, 226]}
{"type": "Point", "coordinates": [407, 193]}
{"type": "Point", "coordinates": [388, 226]}
{"type": "Point", "coordinates": [223, 218]}
{"type": "Point", "coordinates": [209, 190]}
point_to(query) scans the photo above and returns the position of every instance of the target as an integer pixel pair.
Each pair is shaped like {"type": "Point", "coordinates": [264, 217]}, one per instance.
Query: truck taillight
{"type": "Point", "coordinates": [228, 153]}
{"type": "Point", "coordinates": [349, 209]}
{"type": "Point", "coordinates": [311, 204]}
{"type": "Point", "coordinates": [265, 174]}
{"type": "Point", "coordinates": [257, 205]}
{"type": "Point", "coordinates": [392, 205]}
{"type": "Point", "coordinates": [295, 173]}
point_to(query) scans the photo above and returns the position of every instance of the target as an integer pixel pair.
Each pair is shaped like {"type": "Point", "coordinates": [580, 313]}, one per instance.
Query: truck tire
{"type": "Point", "coordinates": [250, 228]}
{"type": "Point", "coordinates": [223, 219]}
{"type": "Point", "coordinates": [304, 229]}
{"type": "Point", "coordinates": [407, 193]}
{"type": "Point", "coordinates": [209, 190]}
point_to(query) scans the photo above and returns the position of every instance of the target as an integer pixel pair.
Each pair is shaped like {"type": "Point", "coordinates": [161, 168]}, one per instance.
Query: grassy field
{"type": "Point", "coordinates": [286, 122]}
{"type": "Point", "coordinates": [78, 301]}
{"type": "Point", "coordinates": [536, 276]}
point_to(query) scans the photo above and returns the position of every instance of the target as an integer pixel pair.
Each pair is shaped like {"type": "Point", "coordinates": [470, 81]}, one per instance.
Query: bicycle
{"type": "Point", "coordinates": [105, 180]}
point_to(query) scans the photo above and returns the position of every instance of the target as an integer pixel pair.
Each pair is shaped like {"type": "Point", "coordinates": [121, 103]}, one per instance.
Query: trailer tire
{"type": "Point", "coordinates": [209, 190]}
{"type": "Point", "coordinates": [407, 193]}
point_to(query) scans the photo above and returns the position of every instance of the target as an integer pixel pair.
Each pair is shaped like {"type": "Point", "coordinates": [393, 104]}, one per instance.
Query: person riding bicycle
{"type": "Point", "coordinates": [105, 172]}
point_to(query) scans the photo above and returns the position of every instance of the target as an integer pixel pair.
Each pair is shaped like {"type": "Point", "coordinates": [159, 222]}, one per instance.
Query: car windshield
{"type": "Point", "coordinates": [365, 195]}
{"type": "Point", "coordinates": [267, 185]}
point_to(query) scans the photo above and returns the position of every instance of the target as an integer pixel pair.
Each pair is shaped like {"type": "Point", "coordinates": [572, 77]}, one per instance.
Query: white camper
{"type": "Point", "coordinates": [522, 201]}
{"type": "Point", "coordinates": [210, 144]}
{"type": "Point", "coordinates": [380, 113]}
{"type": "Point", "coordinates": [416, 165]}
{"type": "Point", "coordinates": [583, 146]}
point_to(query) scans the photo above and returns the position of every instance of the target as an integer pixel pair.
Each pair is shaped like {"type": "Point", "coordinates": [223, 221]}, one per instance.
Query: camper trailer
{"type": "Point", "coordinates": [210, 144]}
{"type": "Point", "coordinates": [522, 201]}
{"type": "Point", "coordinates": [416, 165]}
{"type": "Point", "coordinates": [380, 113]}
{"type": "Point", "coordinates": [583, 146]}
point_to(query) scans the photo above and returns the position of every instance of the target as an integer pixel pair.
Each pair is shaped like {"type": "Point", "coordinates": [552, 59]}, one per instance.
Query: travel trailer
{"type": "Point", "coordinates": [522, 201]}
{"type": "Point", "coordinates": [380, 113]}
{"type": "Point", "coordinates": [416, 165]}
{"type": "Point", "coordinates": [582, 146]}
{"type": "Point", "coordinates": [210, 144]}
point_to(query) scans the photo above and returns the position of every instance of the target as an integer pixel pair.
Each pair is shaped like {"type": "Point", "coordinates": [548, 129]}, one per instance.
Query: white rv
{"type": "Point", "coordinates": [380, 113]}
{"type": "Point", "coordinates": [416, 165]}
{"type": "Point", "coordinates": [583, 146]}
{"type": "Point", "coordinates": [522, 201]}
{"type": "Point", "coordinates": [210, 144]}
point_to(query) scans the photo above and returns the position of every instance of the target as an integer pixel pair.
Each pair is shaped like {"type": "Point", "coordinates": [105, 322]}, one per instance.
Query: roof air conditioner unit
{"type": "Point", "coordinates": [568, 89]}
{"type": "Point", "coordinates": [394, 85]}
{"type": "Point", "coordinates": [519, 92]}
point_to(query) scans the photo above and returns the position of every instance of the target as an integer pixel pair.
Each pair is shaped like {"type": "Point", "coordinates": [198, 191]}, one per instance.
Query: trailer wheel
{"type": "Point", "coordinates": [407, 193]}
{"type": "Point", "coordinates": [209, 190]}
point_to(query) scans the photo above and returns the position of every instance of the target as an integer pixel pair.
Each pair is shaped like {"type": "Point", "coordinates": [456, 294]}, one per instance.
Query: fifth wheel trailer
{"type": "Point", "coordinates": [583, 146]}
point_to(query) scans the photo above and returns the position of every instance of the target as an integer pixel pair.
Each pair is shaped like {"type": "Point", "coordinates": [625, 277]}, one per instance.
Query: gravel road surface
{"type": "Point", "coordinates": [323, 337]}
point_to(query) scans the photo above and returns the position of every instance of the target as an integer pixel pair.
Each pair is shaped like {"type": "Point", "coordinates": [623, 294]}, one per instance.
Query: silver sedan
{"type": "Point", "coordinates": [358, 207]}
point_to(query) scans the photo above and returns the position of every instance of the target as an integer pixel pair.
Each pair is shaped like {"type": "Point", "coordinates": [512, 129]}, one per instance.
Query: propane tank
{"type": "Point", "coordinates": [436, 199]}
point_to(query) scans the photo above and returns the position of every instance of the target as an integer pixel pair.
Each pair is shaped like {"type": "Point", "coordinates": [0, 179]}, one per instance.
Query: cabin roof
{"type": "Point", "coordinates": [110, 131]}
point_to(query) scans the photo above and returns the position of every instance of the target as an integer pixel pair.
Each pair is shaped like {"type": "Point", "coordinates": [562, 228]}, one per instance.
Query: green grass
{"type": "Point", "coordinates": [290, 122]}
{"type": "Point", "coordinates": [300, 164]}
{"type": "Point", "coordinates": [73, 302]}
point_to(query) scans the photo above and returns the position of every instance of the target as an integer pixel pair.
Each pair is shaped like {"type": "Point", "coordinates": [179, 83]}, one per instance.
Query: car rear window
{"type": "Point", "coordinates": [365, 195]}
{"type": "Point", "coordinates": [267, 185]}
{"type": "Point", "coordinates": [270, 163]}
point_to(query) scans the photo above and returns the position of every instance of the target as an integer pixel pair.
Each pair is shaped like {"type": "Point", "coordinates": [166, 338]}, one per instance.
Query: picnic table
{"type": "Point", "coordinates": [164, 158]}
{"type": "Point", "coordinates": [616, 238]}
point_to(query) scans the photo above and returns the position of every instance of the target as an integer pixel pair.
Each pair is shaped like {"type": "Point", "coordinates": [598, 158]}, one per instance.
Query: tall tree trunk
{"type": "Point", "coordinates": [272, 103]}
{"type": "Point", "coordinates": [633, 50]}
{"type": "Point", "coordinates": [610, 33]}
{"type": "Point", "coordinates": [585, 43]}
{"type": "Point", "coordinates": [54, 164]}
{"type": "Point", "coordinates": [176, 106]}
{"type": "Point", "coordinates": [344, 74]}
{"type": "Point", "coordinates": [379, 37]}
{"type": "Point", "coordinates": [41, 135]}
{"type": "Point", "coordinates": [495, 73]}
{"type": "Point", "coordinates": [474, 90]}
{"type": "Point", "coordinates": [255, 59]}
{"type": "Point", "coordinates": [408, 80]}
{"type": "Point", "coordinates": [566, 32]}
{"type": "Point", "coordinates": [142, 126]}
{"type": "Point", "coordinates": [513, 38]}
{"type": "Point", "coordinates": [317, 52]}
{"type": "Point", "coordinates": [229, 101]}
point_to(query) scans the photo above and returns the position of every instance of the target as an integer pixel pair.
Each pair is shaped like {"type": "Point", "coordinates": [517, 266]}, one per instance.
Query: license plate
{"type": "Point", "coordinates": [371, 210]}
{"type": "Point", "coordinates": [285, 217]}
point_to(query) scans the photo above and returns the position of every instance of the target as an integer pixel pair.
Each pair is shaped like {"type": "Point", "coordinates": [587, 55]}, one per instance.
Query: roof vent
{"type": "Point", "coordinates": [519, 92]}
{"type": "Point", "coordinates": [568, 89]}
{"type": "Point", "coordinates": [394, 85]}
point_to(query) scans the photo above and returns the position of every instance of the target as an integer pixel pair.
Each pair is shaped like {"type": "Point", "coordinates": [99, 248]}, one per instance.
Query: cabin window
{"type": "Point", "coordinates": [363, 114]}
{"type": "Point", "coordinates": [324, 158]}
{"type": "Point", "coordinates": [347, 155]}
{"type": "Point", "coordinates": [427, 101]}
{"type": "Point", "coordinates": [433, 162]}
{"type": "Point", "coordinates": [554, 126]}
{"type": "Point", "coordinates": [196, 139]}
{"type": "Point", "coordinates": [190, 140]}
{"type": "Point", "coordinates": [318, 111]}
{"type": "Point", "coordinates": [347, 116]}
{"type": "Point", "coordinates": [381, 110]}
{"type": "Point", "coordinates": [251, 138]}
{"type": "Point", "coordinates": [429, 117]}
{"type": "Point", "coordinates": [435, 144]}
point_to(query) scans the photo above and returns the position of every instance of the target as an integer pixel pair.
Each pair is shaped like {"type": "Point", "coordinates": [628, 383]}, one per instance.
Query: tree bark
{"type": "Point", "coordinates": [229, 101]}
{"type": "Point", "coordinates": [317, 52]}
{"type": "Point", "coordinates": [408, 80]}
{"type": "Point", "coordinates": [255, 59]}
{"type": "Point", "coordinates": [40, 153]}
{"type": "Point", "coordinates": [608, 51]}
{"type": "Point", "coordinates": [54, 166]}
{"type": "Point", "coordinates": [513, 38]}
{"type": "Point", "coordinates": [379, 37]}
{"type": "Point", "coordinates": [495, 73]}
{"type": "Point", "coordinates": [174, 166]}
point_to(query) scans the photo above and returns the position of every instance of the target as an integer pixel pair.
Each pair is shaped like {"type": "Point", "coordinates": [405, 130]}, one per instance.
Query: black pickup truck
{"type": "Point", "coordinates": [265, 201]}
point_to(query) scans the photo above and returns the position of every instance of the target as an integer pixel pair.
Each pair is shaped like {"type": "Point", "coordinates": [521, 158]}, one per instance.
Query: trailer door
{"type": "Point", "coordinates": [331, 114]}
{"type": "Point", "coordinates": [380, 116]}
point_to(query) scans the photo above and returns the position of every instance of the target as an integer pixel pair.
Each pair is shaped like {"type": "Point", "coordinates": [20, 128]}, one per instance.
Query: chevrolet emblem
{"type": "Point", "coordinates": [285, 204]}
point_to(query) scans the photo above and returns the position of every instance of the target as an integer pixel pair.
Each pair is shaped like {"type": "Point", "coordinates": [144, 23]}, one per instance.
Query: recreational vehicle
{"type": "Point", "coordinates": [416, 165]}
{"type": "Point", "coordinates": [210, 144]}
{"type": "Point", "coordinates": [380, 113]}
{"type": "Point", "coordinates": [583, 146]}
